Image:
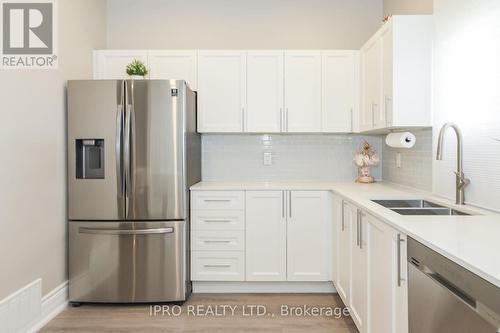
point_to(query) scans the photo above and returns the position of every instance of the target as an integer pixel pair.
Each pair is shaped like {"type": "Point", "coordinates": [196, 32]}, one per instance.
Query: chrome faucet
{"type": "Point", "coordinates": [461, 181]}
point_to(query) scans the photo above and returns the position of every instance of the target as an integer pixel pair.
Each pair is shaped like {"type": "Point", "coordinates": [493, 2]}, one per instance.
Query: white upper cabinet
{"type": "Point", "coordinates": [112, 64]}
{"type": "Point", "coordinates": [339, 90]}
{"type": "Point", "coordinates": [173, 65]}
{"type": "Point", "coordinates": [264, 112]}
{"type": "Point", "coordinates": [221, 91]}
{"type": "Point", "coordinates": [303, 91]}
{"type": "Point", "coordinates": [308, 250]}
{"type": "Point", "coordinates": [396, 78]}
{"type": "Point", "coordinates": [371, 78]}
{"type": "Point", "coordinates": [265, 236]}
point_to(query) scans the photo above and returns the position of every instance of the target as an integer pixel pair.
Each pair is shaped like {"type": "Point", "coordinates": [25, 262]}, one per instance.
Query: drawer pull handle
{"type": "Point", "coordinates": [217, 200]}
{"type": "Point", "coordinates": [217, 221]}
{"type": "Point", "coordinates": [217, 241]}
{"type": "Point", "coordinates": [217, 266]}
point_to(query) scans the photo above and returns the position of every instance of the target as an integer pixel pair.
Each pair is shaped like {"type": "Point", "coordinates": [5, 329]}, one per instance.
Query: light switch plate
{"type": "Point", "coordinates": [268, 158]}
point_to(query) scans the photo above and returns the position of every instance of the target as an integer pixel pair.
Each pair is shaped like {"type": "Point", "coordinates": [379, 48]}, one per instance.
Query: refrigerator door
{"type": "Point", "coordinates": [127, 262]}
{"type": "Point", "coordinates": [95, 143]}
{"type": "Point", "coordinates": [154, 150]}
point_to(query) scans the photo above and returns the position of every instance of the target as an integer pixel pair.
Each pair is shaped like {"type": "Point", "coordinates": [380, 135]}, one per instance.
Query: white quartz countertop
{"type": "Point", "coordinates": [471, 241]}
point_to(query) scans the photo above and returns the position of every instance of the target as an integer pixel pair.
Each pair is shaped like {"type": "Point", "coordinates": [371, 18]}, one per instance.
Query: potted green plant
{"type": "Point", "coordinates": [137, 70]}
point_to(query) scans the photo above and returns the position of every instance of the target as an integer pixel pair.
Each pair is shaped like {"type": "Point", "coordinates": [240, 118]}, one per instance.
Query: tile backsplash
{"type": "Point", "coordinates": [321, 157]}
{"type": "Point", "coordinates": [416, 162]}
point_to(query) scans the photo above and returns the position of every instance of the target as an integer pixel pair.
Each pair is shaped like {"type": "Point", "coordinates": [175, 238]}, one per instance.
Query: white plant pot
{"type": "Point", "coordinates": [136, 77]}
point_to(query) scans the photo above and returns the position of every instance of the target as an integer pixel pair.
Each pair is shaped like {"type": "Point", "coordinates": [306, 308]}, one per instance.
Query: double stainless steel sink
{"type": "Point", "coordinates": [418, 207]}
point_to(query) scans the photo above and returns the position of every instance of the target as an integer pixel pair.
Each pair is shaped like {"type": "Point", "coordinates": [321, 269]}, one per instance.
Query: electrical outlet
{"type": "Point", "coordinates": [268, 158]}
{"type": "Point", "coordinates": [398, 160]}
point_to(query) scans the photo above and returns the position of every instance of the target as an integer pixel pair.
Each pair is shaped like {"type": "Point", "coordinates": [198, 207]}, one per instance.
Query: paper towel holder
{"type": "Point", "coordinates": [406, 140]}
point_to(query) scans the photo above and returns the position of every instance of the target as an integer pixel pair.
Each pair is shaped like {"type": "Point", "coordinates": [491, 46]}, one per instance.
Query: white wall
{"type": "Point", "coordinates": [407, 7]}
{"type": "Point", "coordinates": [32, 150]}
{"type": "Point", "coordinates": [242, 24]}
{"type": "Point", "coordinates": [296, 157]}
{"type": "Point", "coordinates": [467, 91]}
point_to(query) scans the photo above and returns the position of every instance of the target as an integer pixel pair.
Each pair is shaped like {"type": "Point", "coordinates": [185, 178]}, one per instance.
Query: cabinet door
{"type": "Point", "coordinates": [339, 78]}
{"type": "Point", "coordinates": [173, 65]}
{"type": "Point", "coordinates": [112, 64]}
{"type": "Point", "coordinates": [337, 229]}
{"type": "Point", "coordinates": [371, 84]}
{"type": "Point", "coordinates": [303, 91]}
{"type": "Point", "coordinates": [359, 278]}
{"type": "Point", "coordinates": [308, 251]}
{"type": "Point", "coordinates": [387, 291]}
{"type": "Point", "coordinates": [381, 266]}
{"type": "Point", "coordinates": [345, 251]}
{"type": "Point", "coordinates": [385, 117]}
{"type": "Point", "coordinates": [264, 91]}
{"type": "Point", "coordinates": [265, 236]}
{"type": "Point", "coordinates": [221, 91]}
{"type": "Point", "coordinates": [400, 278]}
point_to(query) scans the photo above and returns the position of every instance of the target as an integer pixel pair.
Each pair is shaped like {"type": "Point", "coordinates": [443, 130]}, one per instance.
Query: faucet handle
{"type": "Point", "coordinates": [463, 181]}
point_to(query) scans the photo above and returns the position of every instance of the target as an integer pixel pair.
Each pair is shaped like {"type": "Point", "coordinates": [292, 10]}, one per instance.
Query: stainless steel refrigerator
{"type": "Point", "coordinates": [133, 152]}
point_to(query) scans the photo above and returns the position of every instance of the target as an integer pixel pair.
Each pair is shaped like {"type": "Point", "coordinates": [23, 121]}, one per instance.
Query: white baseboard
{"type": "Point", "coordinates": [263, 287]}
{"type": "Point", "coordinates": [26, 311]}
{"type": "Point", "coordinates": [52, 304]}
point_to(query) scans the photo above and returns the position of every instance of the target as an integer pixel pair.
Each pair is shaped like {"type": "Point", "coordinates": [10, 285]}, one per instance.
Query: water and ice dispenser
{"type": "Point", "coordinates": [90, 158]}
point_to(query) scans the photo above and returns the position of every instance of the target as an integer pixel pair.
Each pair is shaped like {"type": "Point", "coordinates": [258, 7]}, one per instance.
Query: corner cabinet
{"type": "Point", "coordinates": [221, 91]}
{"type": "Point", "coordinates": [371, 270]}
{"type": "Point", "coordinates": [396, 66]}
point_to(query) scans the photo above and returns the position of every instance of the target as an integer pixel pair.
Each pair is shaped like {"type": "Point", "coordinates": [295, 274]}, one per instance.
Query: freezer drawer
{"type": "Point", "coordinates": [127, 262]}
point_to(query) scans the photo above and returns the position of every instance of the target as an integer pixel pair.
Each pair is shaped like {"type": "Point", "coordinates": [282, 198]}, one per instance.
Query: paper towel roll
{"type": "Point", "coordinates": [401, 140]}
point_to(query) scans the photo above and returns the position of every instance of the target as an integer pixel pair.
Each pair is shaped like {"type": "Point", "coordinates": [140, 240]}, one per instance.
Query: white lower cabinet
{"type": "Point", "coordinates": [217, 266]}
{"type": "Point", "coordinates": [218, 236]}
{"type": "Point", "coordinates": [388, 281]}
{"type": "Point", "coordinates": [348, 220]}
{"type": "Point", "coordinates": [264, 236]}
{"type": "Point", "coordinates": [308, 227]}
{"type": "Point", "coordinates": [371, 271]}
{"type": "Point", "coordinates": [359, 273]}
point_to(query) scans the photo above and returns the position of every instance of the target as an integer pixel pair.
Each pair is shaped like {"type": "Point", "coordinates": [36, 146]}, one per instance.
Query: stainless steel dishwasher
{"type": "Point", "coordinates": [444, 297]}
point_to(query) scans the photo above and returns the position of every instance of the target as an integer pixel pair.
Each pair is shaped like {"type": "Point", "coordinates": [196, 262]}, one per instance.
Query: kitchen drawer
{"type": "Point", "coordinates": [217, 266]}
{"type": "Point", "coordinates": [217, 220]}
{"type": "Point", "coordinates": [217, 240]}
{"type": "Point", "coordinates": [229, 200]}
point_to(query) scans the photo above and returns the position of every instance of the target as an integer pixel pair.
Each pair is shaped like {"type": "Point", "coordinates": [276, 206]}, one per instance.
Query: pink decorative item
{"type": "Point", "coordinates": [365, 158]}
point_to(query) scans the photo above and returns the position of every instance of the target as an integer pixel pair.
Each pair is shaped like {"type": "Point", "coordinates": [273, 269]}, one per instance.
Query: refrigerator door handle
{"type": "Point", "coordinates": [128, 155]}
{"type": "Point", "coordinates": [105, 231]}
{"type": "Point", "coordinates": [128, 158]}
{"type": "Point", "coordinates": [118, 149]}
